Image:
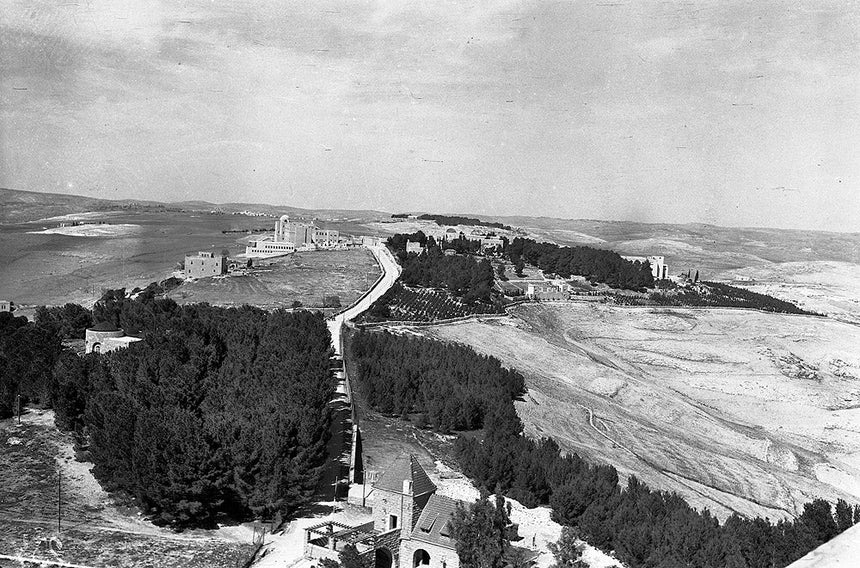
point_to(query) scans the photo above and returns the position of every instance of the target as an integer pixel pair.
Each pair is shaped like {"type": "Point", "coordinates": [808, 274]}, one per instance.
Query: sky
{"type": "Point", "coordinates": [729, 113]}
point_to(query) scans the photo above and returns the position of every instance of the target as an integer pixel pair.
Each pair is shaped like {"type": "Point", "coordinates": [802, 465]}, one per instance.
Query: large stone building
{"type": "Point", "coordinates": [326, 238]}
{"type": "Point", "coordinates": [299, 233]}
{"type": "Point", "coordinates": [290, 236]}
{"type": "Point", "coordinates": [204, 264]}
{"type": "Point", "coordinates": [410, 527]}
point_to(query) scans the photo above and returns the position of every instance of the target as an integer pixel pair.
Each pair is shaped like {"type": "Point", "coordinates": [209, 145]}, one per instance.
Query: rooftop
{"type": "Point", "coordinates": [433, 525]}
{"type": "Point", "coordinates": [405, 466]}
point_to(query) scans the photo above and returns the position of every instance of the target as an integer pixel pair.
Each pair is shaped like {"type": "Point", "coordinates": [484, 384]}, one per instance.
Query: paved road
{"type": "Point", "coordinates": [390, 273]}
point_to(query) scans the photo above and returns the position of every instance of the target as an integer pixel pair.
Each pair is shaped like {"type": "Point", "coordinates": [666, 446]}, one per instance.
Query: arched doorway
{"type": "Point", "coordinates": [383, 558]}
{"type": "Point", "coordinates": [420, 558]}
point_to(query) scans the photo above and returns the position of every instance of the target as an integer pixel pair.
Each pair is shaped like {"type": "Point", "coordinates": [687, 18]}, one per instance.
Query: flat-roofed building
{"type": "Point", "coordinates": [205, 264]}
{"type": "Point", "coordinates": [326, 238]}
{"type": "Point", "coordinates": [545, 290]}
{"type": "Point", "coordinates": [266, 247]}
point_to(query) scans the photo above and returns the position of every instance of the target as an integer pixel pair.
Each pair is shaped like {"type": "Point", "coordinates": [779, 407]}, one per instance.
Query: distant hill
{"type": "Point", "coordinates": [18, 206]}
{"type": "Point", "coordinates": [685, 246]}
{"type": "Point", "coordinates": [21, 206]}
{"type": "Point", "coordinates": [697, 244]}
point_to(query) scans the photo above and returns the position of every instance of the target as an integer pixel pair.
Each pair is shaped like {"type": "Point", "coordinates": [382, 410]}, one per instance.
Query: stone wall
{"type": "Point", "coordinates": [391, 541]}
{"type": "Point", "coordinates": [440, 556]}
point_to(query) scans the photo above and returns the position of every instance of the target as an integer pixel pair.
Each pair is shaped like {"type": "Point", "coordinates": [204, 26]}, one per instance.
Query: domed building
{"type": "Point", "coordinates": [104, 337]}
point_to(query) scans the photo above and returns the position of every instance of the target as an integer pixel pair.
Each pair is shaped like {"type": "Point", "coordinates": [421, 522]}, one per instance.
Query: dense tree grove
{"type": "Point", "coordinates": [28, 353]}
{"type": "Point", "coordinates": [723, 295]}
{"type": "Point", "coordinates": [69, 322]}
{"type": "Point", "coordinates": [455, 220]}
{"type": "Point", "coordinates": [598, 265]}
{"type": "Point", "coordinates": [462, 275]}
{"type": "Point", "coordinates": [215, 411]}
{"type": "Point", "coordinates": [451, 385]}
{"type": "Point", "coordinates": [459, 389]}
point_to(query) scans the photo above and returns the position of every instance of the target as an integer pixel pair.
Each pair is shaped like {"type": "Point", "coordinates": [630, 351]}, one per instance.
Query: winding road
{"type": "Point", "coordinates": [390, 274]}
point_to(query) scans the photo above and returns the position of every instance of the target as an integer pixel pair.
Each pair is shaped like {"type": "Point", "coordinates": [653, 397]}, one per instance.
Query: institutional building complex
{"type": "Point", "coordinates": [290, 236]}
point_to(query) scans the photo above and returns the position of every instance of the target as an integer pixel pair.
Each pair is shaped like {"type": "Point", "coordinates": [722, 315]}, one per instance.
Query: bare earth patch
{"type": "Point", "coordinates": [736, 410]}
{"type": "Point", "coordinates": [94, 531]}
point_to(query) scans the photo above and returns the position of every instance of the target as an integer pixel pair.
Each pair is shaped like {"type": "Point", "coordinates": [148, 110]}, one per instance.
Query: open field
{"type": "Point", "coordinates": [736, 410]}
{"type": "Point", "coordinates": [305, 277]}
{"type": "Point", "coordinates": [94, 530]}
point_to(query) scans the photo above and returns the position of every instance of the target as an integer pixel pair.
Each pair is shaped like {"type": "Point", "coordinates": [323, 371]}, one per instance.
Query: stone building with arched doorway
{"type": "Point", "coordinates": [410, 527]}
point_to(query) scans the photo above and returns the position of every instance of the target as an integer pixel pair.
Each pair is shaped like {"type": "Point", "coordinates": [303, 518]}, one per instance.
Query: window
{"type": "Point", "coordinates": [392, 522]}
{"type": "Point", "coordinates": [420, 558]}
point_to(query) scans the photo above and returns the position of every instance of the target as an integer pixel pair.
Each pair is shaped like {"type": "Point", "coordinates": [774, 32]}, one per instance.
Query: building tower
{"type": "Point", "coordinates": [400, 494]}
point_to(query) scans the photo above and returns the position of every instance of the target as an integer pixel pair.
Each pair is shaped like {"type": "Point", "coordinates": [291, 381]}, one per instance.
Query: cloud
{"type": "Point", "coordinates": [552, 108]}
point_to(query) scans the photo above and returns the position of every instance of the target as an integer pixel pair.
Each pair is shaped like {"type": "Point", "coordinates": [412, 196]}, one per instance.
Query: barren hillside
{"type": "Point", "coordinates": [736, 410]}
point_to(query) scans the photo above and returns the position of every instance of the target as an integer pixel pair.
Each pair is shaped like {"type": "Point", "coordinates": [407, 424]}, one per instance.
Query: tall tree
{"type": "Point", "coordinates": [481, 533]}
{"type": "Point", "coordinates": [568, 549]}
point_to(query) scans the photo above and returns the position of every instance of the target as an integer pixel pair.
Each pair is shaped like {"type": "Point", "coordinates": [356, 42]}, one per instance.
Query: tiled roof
{"type": "Point", "coordinates": [405, 466]}
{"type": "Point", "coordinates": [433, 524]}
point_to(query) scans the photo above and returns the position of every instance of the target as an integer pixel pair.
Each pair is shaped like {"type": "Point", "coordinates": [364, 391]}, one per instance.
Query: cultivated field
{"type": "Point", "coordinates": [94, 531]}
{"type": "Point", "coordinates": [736, 410]}
{"type": "Point", "coordinates": [306, 277]}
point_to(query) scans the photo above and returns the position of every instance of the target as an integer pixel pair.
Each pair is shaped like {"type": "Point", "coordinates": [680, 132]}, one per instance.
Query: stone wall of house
{"type": "Point", "coordinates": [391, 541]}
{"type": "Point", "coordinates": [406, 508]}
{"type": "Point", "coordinates": [440, 556]}
{"type": "Point", "coordinates": [385, 504]}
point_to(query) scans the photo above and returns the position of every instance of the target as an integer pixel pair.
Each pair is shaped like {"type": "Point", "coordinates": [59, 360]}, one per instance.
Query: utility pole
{"type": "Point", "coordinates": [18, 404]}
{"type": "Point", "coordinates": [59, 500]}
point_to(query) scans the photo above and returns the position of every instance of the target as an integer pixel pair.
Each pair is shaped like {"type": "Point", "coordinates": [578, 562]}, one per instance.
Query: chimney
{"type": "Point", "coordinates": [407, 486]}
